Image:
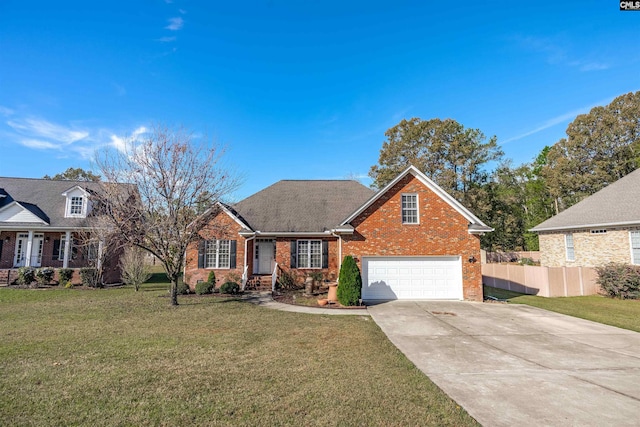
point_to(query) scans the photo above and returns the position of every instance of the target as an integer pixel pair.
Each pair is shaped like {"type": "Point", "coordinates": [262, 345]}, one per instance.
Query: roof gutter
{"type": "Point", "coordinates": [579, 227]}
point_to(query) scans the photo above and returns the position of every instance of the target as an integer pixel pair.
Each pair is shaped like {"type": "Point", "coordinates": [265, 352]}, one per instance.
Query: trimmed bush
{"type": "Point", "coordinates": [65, 275]}
{"type": "Point", "coordinates": [203, 288]}
{"type": "Point", "coordinates": [349, 282]}
{"type": "Point", "coordinates": [89, 277]}
{"type": "Point", "coordinates": [231, 288]}
{"type": "Point", "coordinates": [287, 281]}
{"type": "Point", "coordinates": [44, 275]}
{"type": "Point", "coordinates": [183, 288]}
{"type": "Point", "coordinates": [212, 278]}
{"type": "Point", "coordinates": [26, 275]}
{"type": "Point", "coordinates": [619, 280]}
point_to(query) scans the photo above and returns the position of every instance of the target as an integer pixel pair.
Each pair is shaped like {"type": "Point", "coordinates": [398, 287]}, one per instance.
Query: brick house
{"type": "Point", "coordinates": [603, 228]}
{"type": "Point", "coordinates": [43, 223]}
{"type": "Point", "coordinates": [411, 239]}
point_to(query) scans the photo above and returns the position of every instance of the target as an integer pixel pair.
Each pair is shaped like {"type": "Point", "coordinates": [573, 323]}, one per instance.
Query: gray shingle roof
{"type": "Point", "coordinates": [43, 198]}
{"type": "Point", "coordinates": [302, 206]}
{"type": "Point", "coordinates": [616, 204]}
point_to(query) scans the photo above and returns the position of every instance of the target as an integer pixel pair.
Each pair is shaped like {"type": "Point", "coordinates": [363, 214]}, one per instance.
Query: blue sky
{"type": "Point", "coordinates": [300, 90]}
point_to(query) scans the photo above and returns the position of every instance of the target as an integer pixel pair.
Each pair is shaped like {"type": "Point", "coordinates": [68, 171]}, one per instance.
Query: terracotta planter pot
{"type": "Point", "coordinates": [322, 302]}
{"type": "Point", "coordinates": [333, 293]}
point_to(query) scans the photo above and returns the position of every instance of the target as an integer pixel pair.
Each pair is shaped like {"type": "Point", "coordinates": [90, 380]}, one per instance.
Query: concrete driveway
{"type": "Point", "coordinates": [515, 365]}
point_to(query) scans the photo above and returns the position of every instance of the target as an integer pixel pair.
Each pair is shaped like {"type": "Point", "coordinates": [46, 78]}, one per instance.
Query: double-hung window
{"type": "Point", "coordinates": [75, 207]}
{"type": "Point", "coordinates": [217, 254]}
{"type": "Point", "coordinates": [635, 246]}
{"type": "Point", "coordinates": [309, 253]}
{"type": "Point", "coordinates": [570, 250]}
{"type": "Point", "coordinates": [410, 209]}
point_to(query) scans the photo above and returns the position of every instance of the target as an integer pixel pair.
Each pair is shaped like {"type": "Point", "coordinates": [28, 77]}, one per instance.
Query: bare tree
{"type": "Point", "coordinates": [169, 175]}
{"type": "Point", "coordinates": [100, 245]}
{"type": "Point", "coordinates": [134, 270]}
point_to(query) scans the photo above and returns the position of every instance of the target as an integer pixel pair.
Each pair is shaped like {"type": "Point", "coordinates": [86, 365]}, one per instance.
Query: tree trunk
{"type": "Point", "coordinates": [174, 291]}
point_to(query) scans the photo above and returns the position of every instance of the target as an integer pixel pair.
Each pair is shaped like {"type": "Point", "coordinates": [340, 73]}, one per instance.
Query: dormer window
{"type": "Point", "coordinates": [75, 208]}
{"type": "Point", "coordinates": [77, 205]}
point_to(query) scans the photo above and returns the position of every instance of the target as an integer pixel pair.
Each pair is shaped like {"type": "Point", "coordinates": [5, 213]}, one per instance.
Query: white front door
{"type": "Point", "coordinates": [36, 250]}
{"type": "Point", "coordinates": [265, 257]}
{"type": "Point", "coordinates": [20, 256]}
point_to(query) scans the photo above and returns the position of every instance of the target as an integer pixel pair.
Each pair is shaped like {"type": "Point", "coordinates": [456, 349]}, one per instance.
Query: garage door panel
{"type": "Point", "coordinates": [412, 278]}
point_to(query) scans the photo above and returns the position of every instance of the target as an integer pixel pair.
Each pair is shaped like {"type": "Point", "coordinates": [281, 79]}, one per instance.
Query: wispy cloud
{"type": "Point", "coordinates": [5, 111]}
{"type": "Point", "coordinates": [175, 24]}
{"type": "Point", "coordinates": [562, 118]}
{"type": "Point", "coordinates": [167, 39]}
{"type": "Point", "coordinates": [66, 140]}
{"type": "Point", "coordinates": [44, 129]}
{"type": "Point", "coordinates": [38, 144]}
{"type": "Point", "coordinates": [123, 144]}
{"type": "Point", "coordinates": [182, 11]}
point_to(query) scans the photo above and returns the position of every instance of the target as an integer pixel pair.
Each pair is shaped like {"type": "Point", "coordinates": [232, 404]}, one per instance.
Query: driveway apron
{"type": "Point", "coordinates": [515, 365]}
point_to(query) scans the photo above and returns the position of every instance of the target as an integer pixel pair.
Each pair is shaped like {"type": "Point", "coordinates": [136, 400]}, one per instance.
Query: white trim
{"type": "Point", "coordinates": [308, 254]}
{"type": "Point", "coordinates": [294, 234]}
{"type": "Point", "coordinates": [67, 249]}
{"type": "Point", "coordinates": [566, 247]}
{"type": "Point", "coordinates": [633, 260]}
{"type": "Point", "coordinates": [585, 226]}
{"type": "Point", "coordinates": [402, 208]}
{"type": "Point", "coordinates": [431, 186]}
{"type": "Point", "coordinates": [228, 212]}
{"type": "Point", "coordinates": [217, 265]}
{"type": "Point", "coordinates": [8, 223]}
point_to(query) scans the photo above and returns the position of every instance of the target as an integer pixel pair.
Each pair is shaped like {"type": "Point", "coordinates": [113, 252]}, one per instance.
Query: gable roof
{"type": "Point", "coordinates": [304, 206]}
{"type": "Point", "coordinates": [616, 204]}
{"type": "Point", "coordinates": [475, 224]}
{"type": "Point", "coordinates": [43, 199]}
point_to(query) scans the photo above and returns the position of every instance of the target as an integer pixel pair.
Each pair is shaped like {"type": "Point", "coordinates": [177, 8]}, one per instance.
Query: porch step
{"type": "Point", "coordinates": [259, 282]}
{"type": "Point", "coordinates": [8, 276]}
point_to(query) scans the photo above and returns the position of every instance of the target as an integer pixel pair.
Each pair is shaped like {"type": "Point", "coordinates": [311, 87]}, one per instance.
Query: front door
{"type": "Point", "coordinates": [20, 258]}
{"type": "Point", "coordinates": [36, 250]}
{"type": "Point", "coordinates": [265, 257]}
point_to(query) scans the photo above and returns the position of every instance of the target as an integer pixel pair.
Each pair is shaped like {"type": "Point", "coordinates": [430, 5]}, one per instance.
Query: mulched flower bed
{"type": "Point", "coordinates": [298, 298]}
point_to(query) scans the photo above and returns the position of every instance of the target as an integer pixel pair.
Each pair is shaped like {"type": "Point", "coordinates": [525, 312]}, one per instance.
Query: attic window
{"type": "Point", "coordinates": [410, 209]}
{"type": "Point", "coordinates": [76, 206]}
{"type": "Point", "coordinates": [599, 231]}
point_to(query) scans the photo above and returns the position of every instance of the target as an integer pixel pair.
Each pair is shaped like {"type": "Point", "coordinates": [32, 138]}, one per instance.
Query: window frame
{"type": "Point", "coordinates": [569, 250]}
{"type": "Point", "coordinates": [214, 249]}
{"type": "Point", "coordinates": [407, 212]}
{"type": "Point", "coordinates": [309, 255]}
{"type": "Point", "coordinates": [634, 260]}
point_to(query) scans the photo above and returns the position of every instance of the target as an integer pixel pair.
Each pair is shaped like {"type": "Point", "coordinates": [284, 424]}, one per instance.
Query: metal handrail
{"type": "Point", "coordinates": [274, 277]}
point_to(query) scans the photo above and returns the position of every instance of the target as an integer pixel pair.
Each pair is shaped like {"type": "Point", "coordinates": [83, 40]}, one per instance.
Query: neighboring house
{"type": "Point", "coordinates": [43, 223]}
{"type": "Point", "coordinates": [411, 239]}
{"type": "Point", "coordinates": [603, 228]}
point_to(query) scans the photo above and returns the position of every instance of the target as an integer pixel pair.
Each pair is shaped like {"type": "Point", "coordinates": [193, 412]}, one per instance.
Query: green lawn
{"type": "Point", "coordinates": [621, 313]}
{"type": "Point", "coordinates": [117, 357]}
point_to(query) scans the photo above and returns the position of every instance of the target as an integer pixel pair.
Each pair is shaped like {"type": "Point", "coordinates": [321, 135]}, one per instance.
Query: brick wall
{"type": "Point", "coordinates": [441, 231]}
{"type": "Point", "coordinates": [283, 258]}
{"type": "Point", "coordinates": [225, 229]}
{"type": "Point", "coordinates": [591, 250]}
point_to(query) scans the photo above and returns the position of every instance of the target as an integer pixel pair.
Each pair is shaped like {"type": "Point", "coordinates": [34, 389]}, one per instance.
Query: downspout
{"type": "Point", "coordinates": [339, 250]}
{"type": "Point", "coordinates": [245, 274]}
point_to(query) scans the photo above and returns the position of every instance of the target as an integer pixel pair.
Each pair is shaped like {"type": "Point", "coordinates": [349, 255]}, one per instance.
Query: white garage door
{"type": "Point", "coordinates": [390, 278]}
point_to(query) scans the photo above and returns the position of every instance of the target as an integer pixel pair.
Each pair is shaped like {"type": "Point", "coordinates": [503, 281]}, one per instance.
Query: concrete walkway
{"type": "Point", "coordinates": [515, 365]}
{"type": "Point", "coordinates": [265, 300]}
